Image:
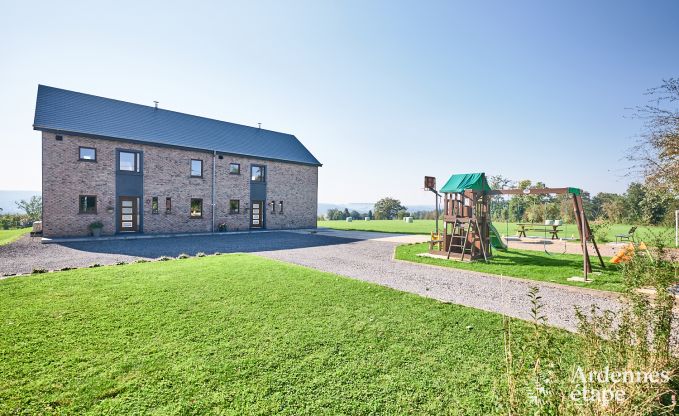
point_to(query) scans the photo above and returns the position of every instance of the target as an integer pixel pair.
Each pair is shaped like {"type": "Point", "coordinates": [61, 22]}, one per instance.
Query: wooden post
{"type": "Point", "coordinates": [579, 219]}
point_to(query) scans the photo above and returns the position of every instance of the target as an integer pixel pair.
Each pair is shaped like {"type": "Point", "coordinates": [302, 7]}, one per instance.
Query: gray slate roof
{"type": "Point", "coordinates": [71, 112]}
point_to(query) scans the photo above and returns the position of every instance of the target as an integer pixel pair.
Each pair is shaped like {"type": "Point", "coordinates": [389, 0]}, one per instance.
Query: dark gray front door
{"type": "Point", "coordinates": [257, 214]}
{"type": "Point", "coordinates": [128, 210]}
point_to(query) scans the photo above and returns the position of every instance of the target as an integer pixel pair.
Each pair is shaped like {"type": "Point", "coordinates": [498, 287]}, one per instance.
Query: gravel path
{"type": "Point", "coordinates": [372, 261]}
{"type": "Point", "coordinates": [364, 256]}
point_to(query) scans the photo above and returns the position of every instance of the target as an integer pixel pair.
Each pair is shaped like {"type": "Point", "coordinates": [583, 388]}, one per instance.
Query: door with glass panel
{"type": "Point", "coordinates": [128, 210]}
{"type": "Point", "coordinates": [256, 219]}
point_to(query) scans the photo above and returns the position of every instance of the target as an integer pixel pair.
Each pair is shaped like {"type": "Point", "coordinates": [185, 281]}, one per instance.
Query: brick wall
{"type": "Point", "coordinates": [167, 174]}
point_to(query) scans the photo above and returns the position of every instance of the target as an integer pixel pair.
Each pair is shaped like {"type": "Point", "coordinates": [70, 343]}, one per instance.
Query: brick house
{"type": "Point", "coordinates": [142, 169]}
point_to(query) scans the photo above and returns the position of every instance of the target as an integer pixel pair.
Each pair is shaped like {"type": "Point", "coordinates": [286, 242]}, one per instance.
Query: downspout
{"type": "Point", "coordinates": [214, 178]}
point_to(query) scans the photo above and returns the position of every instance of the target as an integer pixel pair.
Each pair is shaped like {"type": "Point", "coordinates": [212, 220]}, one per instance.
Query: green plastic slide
{"type": "Point", "coordinates": [496, 240]}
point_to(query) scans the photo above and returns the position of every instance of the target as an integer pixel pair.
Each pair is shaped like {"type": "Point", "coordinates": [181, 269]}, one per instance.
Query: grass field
{"type": "Point", "coordinates": [7, 236]}
{"type": "Point", "coordinates": [427, 226]}
{"type": "Point", "coordinates": [238, 334]}
{"type": "Point", "coordinates": [533, 265]}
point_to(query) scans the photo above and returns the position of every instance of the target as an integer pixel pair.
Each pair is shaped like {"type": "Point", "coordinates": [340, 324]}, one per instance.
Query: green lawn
{"type": "Point", "coordinates": [7, 236]}
{"type": "Point", "coordinates": [238, 334]}
{"type": "Point", "coordinates": [427, 226]}
{"type": "Point", "coordinates": [534, 265]}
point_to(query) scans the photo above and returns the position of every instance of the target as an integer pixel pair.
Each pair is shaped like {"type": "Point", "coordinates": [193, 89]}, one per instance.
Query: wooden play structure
{"type": "Point", "coordinates": [468, 233]}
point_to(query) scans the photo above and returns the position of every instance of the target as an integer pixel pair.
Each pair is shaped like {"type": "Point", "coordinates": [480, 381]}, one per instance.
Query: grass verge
{"type": "Point", "coordinates": [533, 265]}
{"type": "Point", "coordinates": [239, 334]}
{"type": "Point", "coordinates": [7, 236]}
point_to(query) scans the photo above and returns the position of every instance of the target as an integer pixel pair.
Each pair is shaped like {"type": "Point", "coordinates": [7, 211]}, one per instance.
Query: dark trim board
{"type": "Point", "coordinates": [171, 146]}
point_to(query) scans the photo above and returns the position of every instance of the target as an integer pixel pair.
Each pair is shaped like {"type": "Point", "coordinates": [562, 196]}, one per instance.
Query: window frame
{"type": "Point", "coordinates": [80, 204]}
{"type": "Point", "coordinates": [80, 157]}
{"type": "Point", "coordinates": [191, 168]}
{"type": "Point", "coordinates": [191, 207]}
{"type": "Point", "coordinates": [263, 173]}
{"type": "Point", "coordinates": [280, 207]}
{"type": "Point", "coordinates": [137, 162]}
{"type": "Point", "coordinates": [237, 210]}
{"type": "Point", "coordinates": [234, 164]}
{"type": "Point", "coordinates": [168, 205]}
{"type": "Point", "coordinates": [155, 205]}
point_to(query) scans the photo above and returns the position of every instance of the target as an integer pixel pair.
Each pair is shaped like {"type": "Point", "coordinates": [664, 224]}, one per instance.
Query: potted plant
{"type": "Point", "coordinates": [96, 227]}
{"type": "Point", "coordinates": [221, 227]}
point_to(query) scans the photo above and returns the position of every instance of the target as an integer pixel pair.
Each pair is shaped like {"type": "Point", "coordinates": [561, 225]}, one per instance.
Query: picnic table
{"type": "Point", "coordinates": [554, 230]}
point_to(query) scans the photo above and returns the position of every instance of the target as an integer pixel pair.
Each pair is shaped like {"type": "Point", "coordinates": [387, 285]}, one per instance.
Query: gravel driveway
{"type": "Point", "coordinates": [364, 256]}
{"type": "Point", "coordinates": [26, 254]}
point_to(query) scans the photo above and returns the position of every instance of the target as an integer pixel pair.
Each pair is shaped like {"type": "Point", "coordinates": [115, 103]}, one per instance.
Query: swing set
{"type": "Point", "coordinates": [468, 232]}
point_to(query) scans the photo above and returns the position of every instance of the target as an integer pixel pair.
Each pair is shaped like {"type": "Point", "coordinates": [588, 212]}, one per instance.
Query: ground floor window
{"type": "Point", "coordinates": [88, 204]}
{"type": "Point", "coordinates": [154, 205]}
{"type": "Point", "coordinates": [234, 206]}
{"type": "Point", "coordinates": [196, 208]}
{"type": "Point", "coordinates": [168, 205]}
{"type": "Point", "coordinates": [280, 207]}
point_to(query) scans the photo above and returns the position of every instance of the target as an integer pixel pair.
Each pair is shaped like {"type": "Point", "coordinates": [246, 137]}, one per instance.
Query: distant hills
{"type": "Point", "coordinates": [7, 199]}
{"type": "Point", "coordinates": [364, 207]}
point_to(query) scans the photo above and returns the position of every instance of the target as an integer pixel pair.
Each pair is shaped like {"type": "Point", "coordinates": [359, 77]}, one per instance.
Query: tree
{"type": "Point", "coordinates": [32, 207]}
{"type": "Point", "coordinates": [370, 214]}
{"type": "Point", "coordinates": [346, 214]}
{"type": "Point", "coordinates": [656, 155]}
{"type": "Point", "coordinates": [387, 208]}
{"type": "Point", "coordinates": [634, 197]}
{"type": "Point", "coordinates": [355, 214]}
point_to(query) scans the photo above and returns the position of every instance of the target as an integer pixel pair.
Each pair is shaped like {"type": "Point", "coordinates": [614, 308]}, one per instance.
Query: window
{"type": "Point", "coordinates": [280, 207]}
{"type": "Point", "coordinates": [59, 137]}
{"type": "Point", "coordinates": [273, 207]}
{"type": "Point", "coordinates": [88, 154]}
{"type": "Point", "coordinates": [257, 173]}
{"type": "Point", "coordinates": [88, 204]}
{"type": "Point", "coordinates": [168, 205]}
{"type": "Point", "coordinates": [196, 168]}
{"type": "Point", "coordinates": [129, 161]}
{"type": "Point", "coordinates": [196, 208]}
{"type": "Point", "coordinates": [234, 168]}
{"type": "Point", "coordinates": [154, 205]}
{"type": "Point", "coordinates": [234, 206]}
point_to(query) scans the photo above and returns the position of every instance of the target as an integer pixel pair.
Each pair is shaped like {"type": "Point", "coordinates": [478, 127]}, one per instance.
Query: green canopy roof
{"type": "Point", "coordinates": [461, 182]}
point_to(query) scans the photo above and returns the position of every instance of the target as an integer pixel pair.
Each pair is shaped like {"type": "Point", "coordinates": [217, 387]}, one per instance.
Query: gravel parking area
{"type": "Point", "coordinates": [364, 256]}
{"type": "Point", "coordinates": [27, 253]}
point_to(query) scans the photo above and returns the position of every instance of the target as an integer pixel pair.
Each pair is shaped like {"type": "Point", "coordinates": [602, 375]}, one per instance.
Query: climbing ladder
{"type": "Point", "coordinates": [466, 245]}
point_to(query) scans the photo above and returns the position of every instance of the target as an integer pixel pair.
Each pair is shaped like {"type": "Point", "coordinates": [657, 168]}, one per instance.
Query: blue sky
{"type": "Point", "coordinates": [382, 93]}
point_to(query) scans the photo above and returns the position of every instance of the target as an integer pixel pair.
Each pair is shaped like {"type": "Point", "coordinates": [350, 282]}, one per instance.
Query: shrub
{"type": "Point", "coordinates": [63, 269]}
{"type": "Point", "coordinates": [600, 229]}
{"type": "Point", "coordinates": [635, 339]}
{"type": "Point", "coordinates": [39, 271]}
{"type": "Point", "coordinates": [96, 225]}
{"type": "Point", "coordinates": [142, 261]}
{"type": "Point", "coordinates": [121, 263]}
{"type": "Point", "coordinates": [164, 258]}
{"type": "Point", "coordinates": [183, 256]}
{"type": "Point", "coordinates": [95, 265]}
{"type": "Point", "coordinates": [200, 254]}
{"type": "Point", "coordinates": [217, 253]}
{"type": "Point", "coordinates": [221, 227]}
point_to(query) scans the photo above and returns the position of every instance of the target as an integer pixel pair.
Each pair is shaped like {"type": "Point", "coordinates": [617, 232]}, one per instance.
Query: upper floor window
{"type": "Point", "coordinates": [257, 173]}
{"type": "Point", "coordinates": [234, 168]}
{"type": "Point", "coordinates": [88, 154]}
{"type": "Point", "coordinates": [128, 161]}
{"type": "Point", "coordinates": [196, 168]}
